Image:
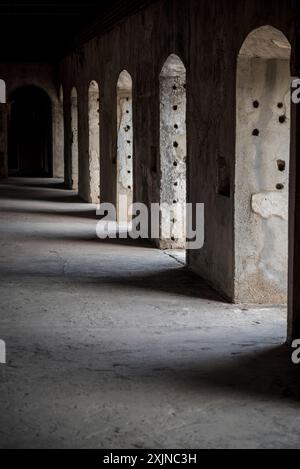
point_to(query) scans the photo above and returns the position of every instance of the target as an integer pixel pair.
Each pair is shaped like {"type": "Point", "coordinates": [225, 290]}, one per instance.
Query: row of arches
{"type": "Point", "coordinates": [262, 160]}
{"type": "Point", "coordinates": [261, 183]}
{"type": "Point", "coordinates": [173, 148]}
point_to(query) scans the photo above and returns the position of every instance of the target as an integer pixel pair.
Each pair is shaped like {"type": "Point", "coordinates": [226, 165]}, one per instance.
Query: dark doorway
{"type": "Point", "coordinates": [30, 133]}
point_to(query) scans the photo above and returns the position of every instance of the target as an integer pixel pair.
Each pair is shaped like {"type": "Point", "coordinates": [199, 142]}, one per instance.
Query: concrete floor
{"type": "Point", "coordinates": [115, 345]}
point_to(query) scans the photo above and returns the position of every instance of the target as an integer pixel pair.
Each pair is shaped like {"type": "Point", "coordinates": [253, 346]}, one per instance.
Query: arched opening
{"type": "Point", "coordinates": [3, 130]}
{"type": "Point", "coordinates": [173, 150]}
{"type": "Point", "coordinates": [2, 92]}
{"type": "Point", "coordinates": [74, 146]}
{"type": "Point", "coordinates": [30, 133]}
{"type": "Point", "coordinates": [124, 147]}
{"type": "Point", "coordinates": [94, 142]}
{"type": "Point", "coordinates": [58, 135]}
{"type": "Point", "coordinates": [262, 168]}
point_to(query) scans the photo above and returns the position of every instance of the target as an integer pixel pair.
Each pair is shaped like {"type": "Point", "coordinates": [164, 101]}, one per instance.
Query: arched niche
{"type": "Point", "coordinates": [262, 167]}
{"type": "Point", "coordinates": [173, 151]}
{"type": "Point", "coordinates": [124, 147]}
{"type": "Point", "coordinates": [94, 141]}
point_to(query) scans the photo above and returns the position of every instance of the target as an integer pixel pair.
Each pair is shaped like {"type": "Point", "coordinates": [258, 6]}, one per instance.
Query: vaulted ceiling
{"type": "Point", "coordinates": [35, 30]}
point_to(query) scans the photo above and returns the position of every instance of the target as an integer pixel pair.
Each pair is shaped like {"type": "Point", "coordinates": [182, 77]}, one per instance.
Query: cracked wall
{"type": "Point", "coordinates": [262, 168]}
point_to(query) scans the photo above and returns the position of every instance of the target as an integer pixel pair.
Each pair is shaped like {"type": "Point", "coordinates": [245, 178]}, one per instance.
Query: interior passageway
{"type": "Point", "coordinates": [115, 344]}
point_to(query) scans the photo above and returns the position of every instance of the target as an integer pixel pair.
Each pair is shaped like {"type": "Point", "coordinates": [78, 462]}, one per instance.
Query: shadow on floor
{"type": "Point", "coordinates": [90, 212]}
{"type": "Point", "coordinates": [269, 373]}
{"type": "Point", "coordinates": [176, 281]}
{"type": "Point", "coordinates": [30, 194]}
{"type": "Point", "coordinates": [39, 183]}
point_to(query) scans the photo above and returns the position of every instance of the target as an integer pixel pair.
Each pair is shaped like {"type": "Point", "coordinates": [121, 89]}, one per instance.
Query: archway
{"type": "Point", "coordinates": [30, 133]}
{"type": "Point", "coordinates": [124, 147]}
{"type": "Point", "coordinates": [3, 130]}
{"type": "Point", "coordinates": [59, 121]}
{"type": "Point", "coordinates": [2, 92]}
{"type": "Point", "coordinates": [262, 168]}
{"type": "Point", "coordinates": [94, 142]}
{"type": "Point", "coordinates": [74, 146]}
{"type": "Point", "coordinates": [173, 150]}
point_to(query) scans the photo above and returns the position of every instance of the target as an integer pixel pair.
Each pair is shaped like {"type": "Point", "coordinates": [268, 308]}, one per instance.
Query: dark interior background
{"type": "Point", "coordinates": [40, 31]}
{"type": "Point", "coordinates": [30, 133]}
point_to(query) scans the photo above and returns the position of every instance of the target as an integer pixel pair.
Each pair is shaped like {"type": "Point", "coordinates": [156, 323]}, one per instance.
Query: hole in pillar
{"type": "Point", "coordinates": [255, 133]}
{"type": "Point", "coordinates": [281, 165]}
{"type": "Point", "coordinates": [282, 119]}
{"type": "Point", "coordinates": [280, 187]}
{"type": "Point", "coordinates": [256, 104]}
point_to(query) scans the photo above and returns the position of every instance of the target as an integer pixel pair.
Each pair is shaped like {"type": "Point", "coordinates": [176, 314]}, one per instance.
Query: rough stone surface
{"type": "Point", "coordinates": [94, 142]}
{"type": "Point", "coordinates": [271, 204]}
{"type": "Point", "coordinates": [261, 221]}
{"type": "Point", "coordinates": [125, 156]}
{"type": "Point", "coordinates": [114, 344]}
{"type": "Point", "coordinates": [173, 153]}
